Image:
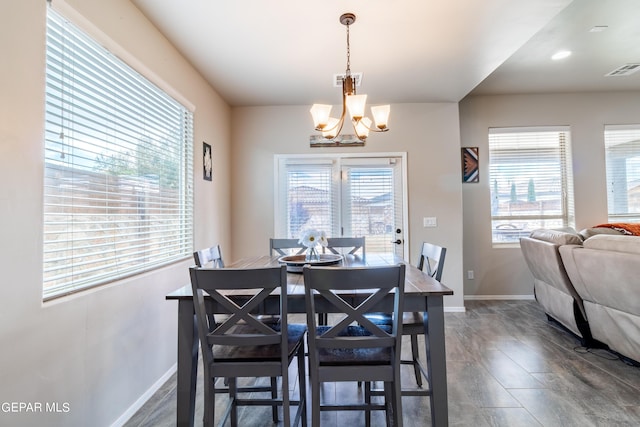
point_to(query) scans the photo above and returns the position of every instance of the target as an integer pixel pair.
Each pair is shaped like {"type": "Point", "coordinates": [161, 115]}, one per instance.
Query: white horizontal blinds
{"type": "Point", "coordinates": [311, 196]}
{"type": "Point", "coordinates": [118, 167]}
{"type": "Point", "coordinates": [369, 204]}
{"type": "Point", "coordinates": [530, 180]}
{"type": "Point", "coordinates": [622, 152]}
{"type": "Point", "coordinates": [567, 176]}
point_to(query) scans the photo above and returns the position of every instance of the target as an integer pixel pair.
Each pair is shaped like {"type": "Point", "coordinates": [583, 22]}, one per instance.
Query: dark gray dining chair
{"type": "Point", "coordinates": [431, 261]}
{"type": "Point", "coordinates": [354, 348]}
{"type": "Point", "coordinates": [242, 345]}
{"type": "Point", "coordinates": [209, 257]}
{"type": "Point", "coordinates": [212, 255]}
{"type": "Point", "coordinates": [285, 247]}
{"type": "Point", "coordinates": [346, 245]}
{"type": "Point", "coordinates": [342, 246]}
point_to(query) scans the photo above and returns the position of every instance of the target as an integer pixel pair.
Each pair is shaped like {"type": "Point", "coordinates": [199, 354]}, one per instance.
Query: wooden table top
{"type": "Point", "coordinates": [417, 283]}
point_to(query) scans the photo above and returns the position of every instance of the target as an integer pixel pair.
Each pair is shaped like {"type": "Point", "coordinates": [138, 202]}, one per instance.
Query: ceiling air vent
{"type": "Point", "coordinates": [624, 70]}
{"type": "Point", "coordinates": [337, 79]}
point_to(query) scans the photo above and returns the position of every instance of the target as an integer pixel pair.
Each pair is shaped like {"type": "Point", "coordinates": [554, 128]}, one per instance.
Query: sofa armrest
{"type": "Point", "coordinates": [605, 276]}
{"type": "Point", "coordinates": [544, 260]}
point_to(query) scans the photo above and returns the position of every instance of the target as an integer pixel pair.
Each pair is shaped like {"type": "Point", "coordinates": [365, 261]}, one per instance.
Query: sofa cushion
{"type": "Point", "coordinates": [621, 243]}
{"type": "Point", "coordinates": [556, 236]}
{"type": "Point", "coordinates": [593, 231]}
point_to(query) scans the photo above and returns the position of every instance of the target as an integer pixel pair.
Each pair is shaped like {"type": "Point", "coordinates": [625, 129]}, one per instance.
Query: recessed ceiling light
{"type": "Point", "coordinates": [598, 28]}
{"type": "Point", "coordinates": [561, 55]}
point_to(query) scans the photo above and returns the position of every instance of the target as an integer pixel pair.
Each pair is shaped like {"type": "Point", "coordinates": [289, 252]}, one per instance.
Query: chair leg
{"type": "Point", "coordinates": [302, 384]}
{"type": "Point", "coordinates": [393, 403]}
{"type": "Point", "coordinates": [396, 391]}
{"type": "Point", "coordinates": [415, 356]}
{"type": "Point", "coordinates": [209, 403]}
{"type": "Point", "coordinates": [323, 319]}
{"type": "Point", "coordinates": [274, 395]}
{"type": "Point", "coordinates": [233, 394]}
{"type": "Point", "coordinates": [286, 406]}
{"type": "Point", "coordinates": [315, 401]}
{"type": "Point", "coordinates": [389, 404]}
{"type": "Point", "coordinates": [367, 401]}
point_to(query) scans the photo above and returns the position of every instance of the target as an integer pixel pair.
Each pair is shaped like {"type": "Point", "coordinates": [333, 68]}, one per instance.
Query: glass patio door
{"type": "Point", "coordinates": [372, 203]}
{"type": "Point", "coordinates": [344, 196]}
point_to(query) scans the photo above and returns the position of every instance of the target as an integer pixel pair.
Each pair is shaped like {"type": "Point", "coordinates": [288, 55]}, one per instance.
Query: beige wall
{"type": "Point", "coordinates": [503, 271]}
{"type": "Point", "coordinates": [428, 133]}
{"type": "Point", "coordinates": [101, 350]}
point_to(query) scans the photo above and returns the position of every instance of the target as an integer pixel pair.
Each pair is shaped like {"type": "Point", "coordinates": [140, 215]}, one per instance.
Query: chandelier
{"type": "Point", "coordinates": [351, 102]}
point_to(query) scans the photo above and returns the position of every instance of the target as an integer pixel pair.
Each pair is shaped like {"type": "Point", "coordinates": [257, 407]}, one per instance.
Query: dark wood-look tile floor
{"type": "Point", "coordinates": [506, 365]}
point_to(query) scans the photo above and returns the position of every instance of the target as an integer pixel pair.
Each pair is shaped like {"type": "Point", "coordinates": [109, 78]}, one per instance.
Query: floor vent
{"type": "Point", "coordinates": [624, 70]}
{"type": "Point", "coordinates": [337, 79]}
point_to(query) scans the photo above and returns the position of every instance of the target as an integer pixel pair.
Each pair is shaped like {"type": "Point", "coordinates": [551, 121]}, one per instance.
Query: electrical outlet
{"type": "Point", "coordinates": [470, 274]}
{"type": "Point", "coordinates": [430, 221]}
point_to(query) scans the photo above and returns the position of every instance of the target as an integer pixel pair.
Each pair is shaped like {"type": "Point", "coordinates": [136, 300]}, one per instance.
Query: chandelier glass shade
{"type": "Point", "coordinates": [352, 103]}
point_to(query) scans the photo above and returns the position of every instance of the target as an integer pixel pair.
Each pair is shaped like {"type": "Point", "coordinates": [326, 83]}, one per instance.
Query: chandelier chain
{"type": "Point", "coordinates": [348, 72]}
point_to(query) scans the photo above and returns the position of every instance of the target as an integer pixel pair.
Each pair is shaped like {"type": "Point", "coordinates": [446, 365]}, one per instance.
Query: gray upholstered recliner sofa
{"type": "Point", "coordinates": [605, 272]}
{"type": "Point", "coordinates": [552, 287]}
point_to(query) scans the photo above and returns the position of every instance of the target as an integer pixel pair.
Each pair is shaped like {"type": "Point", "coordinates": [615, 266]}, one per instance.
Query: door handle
{"type": "Point", "coordinates": [397, 242]}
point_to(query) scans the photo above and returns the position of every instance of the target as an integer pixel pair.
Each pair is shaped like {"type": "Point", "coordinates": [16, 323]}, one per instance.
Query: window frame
{"type": "Point", "coordinates": [619, 135]}
{"type": "Point", "coordinates": [512, 223]}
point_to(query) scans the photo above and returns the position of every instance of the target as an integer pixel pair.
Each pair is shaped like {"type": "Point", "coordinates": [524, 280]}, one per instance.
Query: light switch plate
{"type": "Point", "coordinates": [430, 221]}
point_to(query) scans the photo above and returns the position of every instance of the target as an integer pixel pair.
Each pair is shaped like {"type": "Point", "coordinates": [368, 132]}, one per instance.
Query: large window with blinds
{"type": "Point", "coordinates": [343, 196]}
{"type": "Point", "coordinates": [117, 167]}
{"type": "Point", "coordinates": [622, 153]}
{"type": "Point", "coordinates": [531, 181]}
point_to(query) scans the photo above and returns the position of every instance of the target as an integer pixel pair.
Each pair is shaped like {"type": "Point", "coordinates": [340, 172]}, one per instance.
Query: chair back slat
{"type": "Point", "coordinates": [285, 247]}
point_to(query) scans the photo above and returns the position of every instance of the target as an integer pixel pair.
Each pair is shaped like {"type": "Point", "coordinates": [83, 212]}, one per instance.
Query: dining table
{"type": "Point", "coordinates": [422, 293]}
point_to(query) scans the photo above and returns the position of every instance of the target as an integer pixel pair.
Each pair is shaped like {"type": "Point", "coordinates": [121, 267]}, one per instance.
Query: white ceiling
{"type": "Point", "coordinates": [285, 52]}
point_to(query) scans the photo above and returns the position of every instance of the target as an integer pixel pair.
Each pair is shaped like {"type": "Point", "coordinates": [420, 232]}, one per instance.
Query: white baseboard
{"type": "Point", "coordinates": [454, 309]}
{"type": "Point", "coordinates": [130, 412]}
{"type": "Point", "coordinates": [499, 297]}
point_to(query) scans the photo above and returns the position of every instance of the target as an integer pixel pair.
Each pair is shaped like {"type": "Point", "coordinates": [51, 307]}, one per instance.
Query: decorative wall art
{"type": "Point", "coordinates": [207, 162]}
{"type": "Point", "coordinates": [340, 141]}
{"type": "Point", "coordinates": [470, 164]}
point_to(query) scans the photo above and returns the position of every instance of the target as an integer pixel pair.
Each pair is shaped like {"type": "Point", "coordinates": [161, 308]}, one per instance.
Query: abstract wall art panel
{"type": "Point", "coordinates": [470, 164]}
